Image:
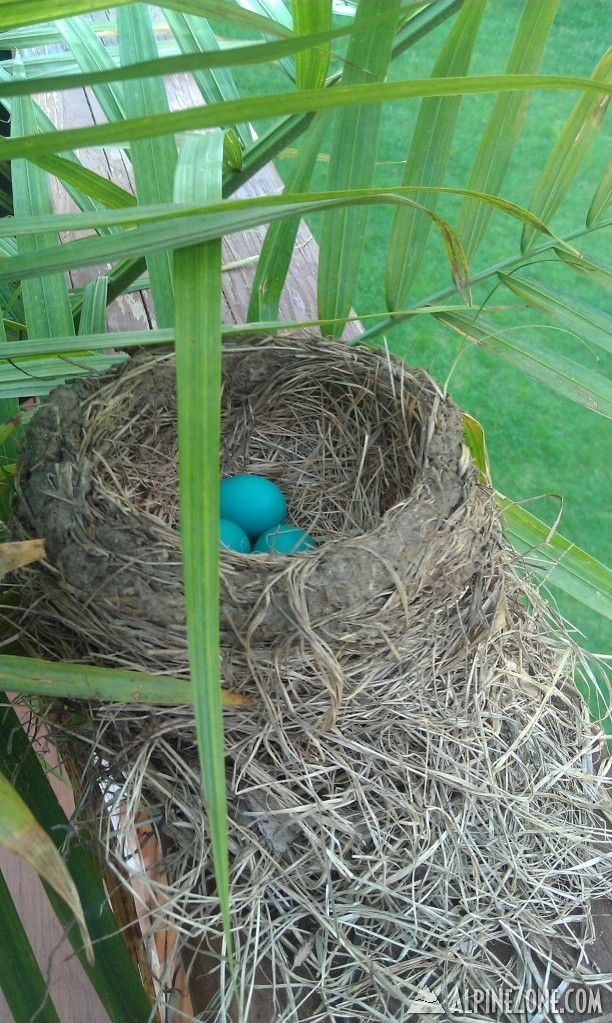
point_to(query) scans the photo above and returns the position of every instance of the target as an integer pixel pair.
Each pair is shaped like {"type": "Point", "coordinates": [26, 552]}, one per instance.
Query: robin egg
{"type": "Point", "coordinates": [284, 540]}
{"type": "Point", "coordinates": [233, 538]}
{"type": "Point", "coordinates": [252, 502]}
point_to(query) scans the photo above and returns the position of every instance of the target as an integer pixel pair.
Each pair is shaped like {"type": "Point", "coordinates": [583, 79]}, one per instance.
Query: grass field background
{"type": "Point", "coordinates": [539, 442]}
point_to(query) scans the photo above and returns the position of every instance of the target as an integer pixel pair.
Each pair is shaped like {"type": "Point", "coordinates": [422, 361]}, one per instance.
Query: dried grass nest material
{"type": "Point", "coordinates": [416, 795]}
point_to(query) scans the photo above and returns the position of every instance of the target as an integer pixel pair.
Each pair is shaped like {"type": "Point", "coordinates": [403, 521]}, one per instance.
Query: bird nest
{"type": "Point", "coordinates": [416, 796]}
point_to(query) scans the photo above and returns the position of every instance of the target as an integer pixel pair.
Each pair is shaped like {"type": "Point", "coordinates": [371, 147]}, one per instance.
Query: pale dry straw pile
{"type": "Point", "coordinates": [416, 794]}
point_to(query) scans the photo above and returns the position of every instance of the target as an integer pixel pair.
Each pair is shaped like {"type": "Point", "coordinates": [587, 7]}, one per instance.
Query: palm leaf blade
{"type": "Point", "coordinates": [564, 565]}
{"type": "Point", "coordinates": [309, 100]}
{"type": "Point", "coordinates": [92, 186]}
{"type": "Point", "coordinates": [194, 35]}
{"type": "Point", "coordinates": [352, 163]}
{"type": "Point", "coordinates": [277, 249]}
{"type": "Point", "coordinates": [586, 321]}
{"type": "Point", "coordinates": [153, 159]}
{"type": "Point", "coordinates": [92, 319]}
{"type": "Point", "coordinates": [598, 269]}
{"type": "Point", "coordinates": [166, 225]}
{"type": "Point", "coordinates": [114, 976]}
{"type": "Point", "coordinates": [602, 198]}
{"type": "Point", "coordinates": [91, 55]}
{"type": "Point", "coordinates": [46, 301]}
{"type": "Point", "coordinates": [17, 13]}
{"type": "Point", "coordinates": [570, 151]}
{"type": "Point", "coordinates": [21, 834]}
{"type": "Point", "coordinates": [198, 374]}
{"type": "Point", "coordinates": [38, 377]}
{"type": "Point", "coordinates": [503, 127]}
{"type": "Point", "coordinates": [17, 961]}
{"type": "Point", "coordinates": [548, 367]}
{"type": "Point", "coordinates": [310, 16]}
{"type": "Point", "coordinates": [86, 682]}
{"type": "Point", "coordinates": [428, 157]}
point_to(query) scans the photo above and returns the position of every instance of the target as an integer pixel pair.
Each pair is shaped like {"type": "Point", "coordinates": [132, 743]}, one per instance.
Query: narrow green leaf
{"type": "Point", "coordinates": [599, 270]}
{"type": "Point", "coordinates": [424, 22]}
{"type": "Point", "coordinates": [261, 15]}
{"type": "Point", "coordinates": [25, 38]}
{"type": "Point", "coordinates": [298, 203]}
{"type": "Point", "coordinates": [10, 412]}
{"type": "Point", "coordinates": [153, 159]}
{"type": "Point", "coordinates": [310, 16]}
{"type": "Point", "coordinates": [254, 107]}
{"type": "Point", "coordinates": [16, 350]}
{"type": "Point", "coordinates": [6, 430]}
{"type": "Point", "coordinates": [270, 143]}
{"type": "Point", "coordinates": [278, 12]}
{"type": "Point", "coordinates": [427, 158]}
{"type": "Point", "coordinates": [153, 237]}
{"type": "Point", "coordinates": [602, 198]}
{"type": "Point", "coordinates": [114, 977]}
{"type": "Point", "coordinates": [123, 275]}
{"type": "Point", "coordinates": [29, 1000]}
{"type": "Point", "coordinates": [352, 164]}
{"type": "Point", "coordinates": [45, 298]}
{"type": "Point", "coordinates": [86, 187]}
{"type": "Point", "coordinates": [193, 59]}
{"type": "Point", "coordinates": [474, 437]}
{"type": "Point", "coordinates": [21, 834]}
{"type": "Point", "coordinates": [561, 562]}
{"type": "Point", "coordinates": [504, 125]}
{"type": "Point", "coordinates": [27, 377]}
{"type": "Point", "coordinates": [121, 278]}
{"type": "Point", "coordinates": [44, 64]}
{"type": "Point", "coordinates": [232, 150]}
{"type": "Point", "coordinates": [570, 151]}
{"type": "Point", "coordinates": [563, 247]}
{"type": "Point", "coordinates": [274, 9]}
{"type": "Point", "coordinates": [194, 35]}
{"type": "Point", "coordinates": [542, 364]}
{"type": "Point", "coordinates": [585, 321]}
{"type": "Point", "coordinates": [92, 319]}
{"type": "Point", "coordinates": [144, 338]}
{"type": "Point", "coordinates": [594, 682]}
{"type": "Point", "coordinates": [10, 416]}
{"type": "Point", "coordinates": [90, 184]}
{"type": "Point", "coordinates": [165, 226]}
{"type": "Point", "coordinates": [15, 13]}
{"type": "Point", "coordinates": [198, 377]}
{"type": "Point", "coordinates": [91, 54]}
{"type": "Point", "coordinates": [277, 249]}
{"type": "Point", "coordinates": [85, 682]}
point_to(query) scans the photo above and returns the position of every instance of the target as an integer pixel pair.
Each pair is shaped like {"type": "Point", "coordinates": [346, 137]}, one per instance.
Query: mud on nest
{"type": "Point", "coordinates": [371, 461]}
{"type": "Point", "coordinates": [416, 779]}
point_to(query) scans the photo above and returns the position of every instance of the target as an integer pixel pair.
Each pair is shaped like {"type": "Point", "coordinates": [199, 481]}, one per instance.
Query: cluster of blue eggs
{"type": "Point", "coordinates": [252, 510]}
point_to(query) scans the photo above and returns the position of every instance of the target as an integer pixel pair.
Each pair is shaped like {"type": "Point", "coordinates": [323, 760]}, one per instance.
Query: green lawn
{"type": "Point", "coordinates": [539, 442]}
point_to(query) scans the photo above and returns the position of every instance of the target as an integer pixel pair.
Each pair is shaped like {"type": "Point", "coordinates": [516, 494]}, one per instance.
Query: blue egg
{"type": "Point", "coordinates": [233, 538]}
{"type": "Point", "coordinates": [284, 540]}
{"type": "Point", "coordinates": [253, 503]}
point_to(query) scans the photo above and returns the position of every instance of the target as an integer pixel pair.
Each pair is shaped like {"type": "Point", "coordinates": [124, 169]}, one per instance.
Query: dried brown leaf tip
{"type": "Point", "coordinates": [15, 555]}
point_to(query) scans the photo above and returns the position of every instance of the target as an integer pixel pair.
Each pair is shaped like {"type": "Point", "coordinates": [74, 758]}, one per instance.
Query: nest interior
{"type": "Point", "coordinates": [416, 780]}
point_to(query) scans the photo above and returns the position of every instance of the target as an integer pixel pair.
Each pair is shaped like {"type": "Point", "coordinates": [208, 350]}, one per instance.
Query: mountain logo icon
{"type": "Point", "coordinates": [425, 1003]}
